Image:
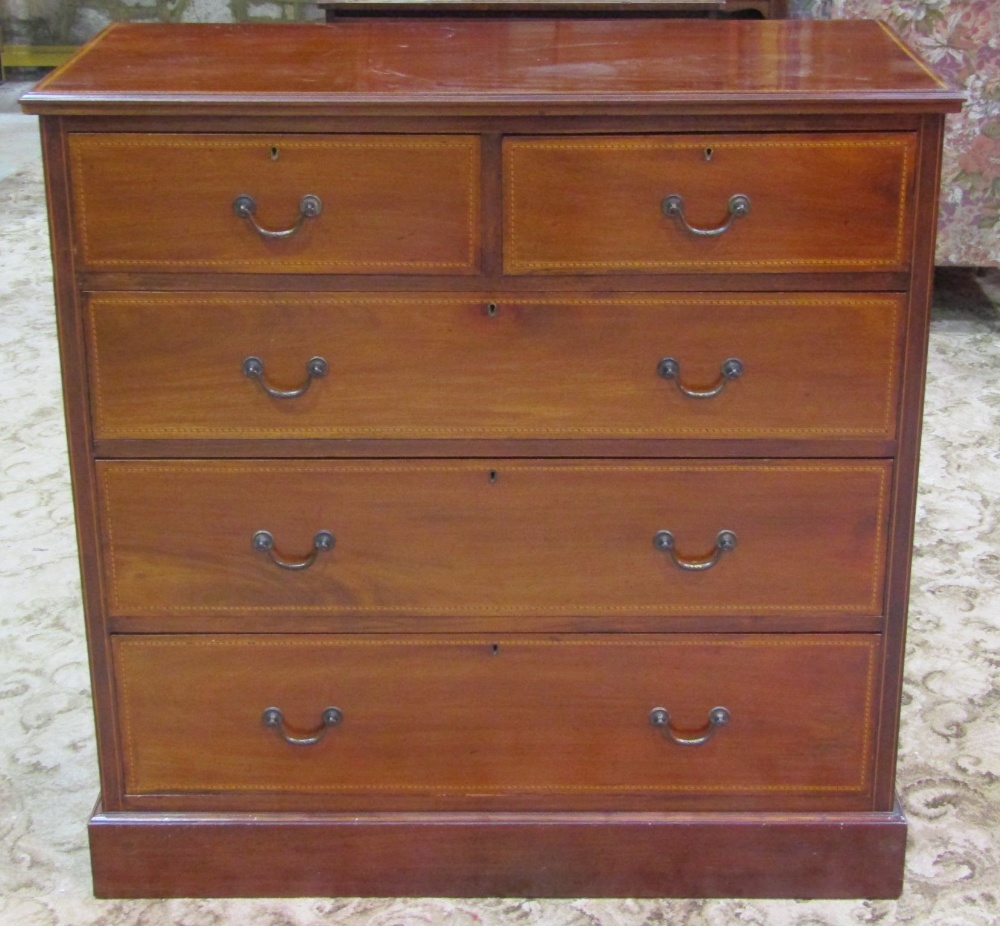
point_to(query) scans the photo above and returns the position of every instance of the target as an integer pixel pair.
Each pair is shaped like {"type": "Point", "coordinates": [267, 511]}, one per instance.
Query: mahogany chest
{"type": "Point", "coordinates": [494, 449]}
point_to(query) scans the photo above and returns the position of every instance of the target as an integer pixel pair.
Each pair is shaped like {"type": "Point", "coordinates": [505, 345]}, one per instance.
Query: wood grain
{"type": "Point", "coordinates": [474, 66]}
{"type": "Point", "coordinates": [441, 722]}
{"type": "Point", "coordinates": [817, 202]}
{"type": "Point", "coordinates": [72, 357]}
{"type": "Point", "coordinates": [508, 540]}
{"type": "Point", "coordinates": [488, 855]}
{"type": "Point", "coordinates": [499, 474]}
{"type": "Point", "coordinates": [445, 366]}
{"type": "Point", "coordinates": [911, 422]}
{"type": "Point", "coordinates": [391, 204]}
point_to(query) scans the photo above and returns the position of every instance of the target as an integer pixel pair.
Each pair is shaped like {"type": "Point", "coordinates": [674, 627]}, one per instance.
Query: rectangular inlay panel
{"type": "Point", "coordinates": [512, 538]}
{"type": "Point", "coordinates": [467, 718]}
{"type": "Point", "coordinates": [390, 204]}
{"type": "Point", "coordinates": [816, 202]}
{"type": "Point", "coordinates": [497, 365]}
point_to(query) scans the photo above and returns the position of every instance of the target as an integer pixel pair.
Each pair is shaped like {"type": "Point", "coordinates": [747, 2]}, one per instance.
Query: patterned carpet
{"type": "Point", "coordinates": [949, 775]}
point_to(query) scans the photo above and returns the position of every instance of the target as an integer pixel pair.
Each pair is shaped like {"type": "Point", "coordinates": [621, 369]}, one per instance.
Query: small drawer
{"type": "Point", "coordinates": [734, 366]}
{"type": "Point", "coordinates": [282, 203]}
{"type": "Point", "coordinates": [546, 722]}
{"type": "Point", "coordinates": [710, 203]}
{"type": "Point", "coordinates": [510, 540]}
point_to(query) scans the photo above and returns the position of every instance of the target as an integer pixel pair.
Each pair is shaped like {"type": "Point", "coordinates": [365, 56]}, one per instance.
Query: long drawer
{"type": "Point", "coordinates": [438, 366]}
{"type": "Point", "coordinates": [445, 721]}
{"type": "Point", "coordinates": [506, 539]}
{"type": "Point", "coordinates": [321, 204]}
{"type": "Point", "coordinates": [709, 203]}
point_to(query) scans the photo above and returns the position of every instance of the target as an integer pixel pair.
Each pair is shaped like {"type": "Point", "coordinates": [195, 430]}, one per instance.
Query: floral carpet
{"type": "Point", "coordinates": [949, 772]}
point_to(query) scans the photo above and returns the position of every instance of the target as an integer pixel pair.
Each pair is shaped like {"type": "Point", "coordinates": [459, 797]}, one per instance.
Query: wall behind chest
{"type": "Point", "coordinates": [68, 22]}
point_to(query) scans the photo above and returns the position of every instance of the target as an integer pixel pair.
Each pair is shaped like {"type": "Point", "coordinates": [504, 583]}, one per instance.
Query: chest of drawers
{"type": "Point", "coordinates": [494, 450]}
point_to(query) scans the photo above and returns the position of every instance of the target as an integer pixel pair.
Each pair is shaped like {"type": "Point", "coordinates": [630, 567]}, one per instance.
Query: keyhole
{"type": "Point", "coordinates": [274, 152]}
{"type": "Point", "coordinates": [708, 153]}
{"type": "Point", "coordinates": [492, 309]}
{"type": "Point", "coordinates": [493, 475]}
{"type": "Point", "coordinates": [495, 649]}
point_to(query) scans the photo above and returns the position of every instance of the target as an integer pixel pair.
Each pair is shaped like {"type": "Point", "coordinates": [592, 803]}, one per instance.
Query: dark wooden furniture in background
{"type": "Point", "coordinates": [494, 449]}
{"type": "Point", "coordinates": [712, 9]}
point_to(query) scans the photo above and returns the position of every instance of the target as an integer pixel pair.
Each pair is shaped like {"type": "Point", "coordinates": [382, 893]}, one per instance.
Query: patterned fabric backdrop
{"type": "Point", "coordinates": [961, 40]}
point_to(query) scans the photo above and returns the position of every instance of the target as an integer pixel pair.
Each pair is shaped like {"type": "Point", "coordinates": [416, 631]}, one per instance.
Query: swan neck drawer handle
{"type": "Point", "coordinates": [316, 368]}
{"type": "Point", "coordinates": [263, 541]}
{"type": "Point", "coordinates": [273, 718]}
{"type": "Point", "coordinates": [737, 207]}
{"type": "Point", "coordinates": [724, 542]}
{"type": "Point", "coordinates": [245, 207]}
{"type": "Point", "coordinates": [670, 368]}
{"type": "Point", "coordinates": [717, 717]}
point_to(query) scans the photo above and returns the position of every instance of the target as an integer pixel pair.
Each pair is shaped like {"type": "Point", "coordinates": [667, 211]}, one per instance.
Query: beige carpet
{"type": "Point", "coordinates": [949, 774]}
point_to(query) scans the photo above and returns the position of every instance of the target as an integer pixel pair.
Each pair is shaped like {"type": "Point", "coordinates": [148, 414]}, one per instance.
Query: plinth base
{"type": "Point", "coordinates": [836, 855]}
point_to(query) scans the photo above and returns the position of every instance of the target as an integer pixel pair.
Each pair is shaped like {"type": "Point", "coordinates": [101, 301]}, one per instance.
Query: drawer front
{"type": "Point", "coordinates": [511, 538]}
{"type": "Point", "coordinates": [440, 366]}
{"type": "Point", "coordinates": [388, 204]}
{"type": "Point", "coordinates": [505, 719]}
{"type": "Point", "coordinates": [813, 203]}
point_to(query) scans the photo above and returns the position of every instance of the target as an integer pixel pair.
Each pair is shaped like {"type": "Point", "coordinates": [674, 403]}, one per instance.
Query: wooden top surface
{"type": "Point", "coordinates": [473, 66]}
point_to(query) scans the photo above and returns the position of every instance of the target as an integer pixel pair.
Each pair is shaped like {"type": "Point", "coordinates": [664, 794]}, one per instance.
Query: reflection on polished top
{"type": "Point", "coordinates": [571, 63]}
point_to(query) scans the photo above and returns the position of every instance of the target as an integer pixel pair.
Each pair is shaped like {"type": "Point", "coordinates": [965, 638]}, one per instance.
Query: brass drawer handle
{"type": "Point", "coordinates": [273, 718]}
{"type": "Point", "coordinates": [717, 717]}
{"type": "Point", "coordinates": [316, 368]}
{"type": "Point", "coordinates": [264, 542]}
{"type": "Point", "coordinates": [738, 206]}
{"type": "Point", "coordinates": [245, 207]}
{"type": "Point", "coordinates": [670, 368]}
{"type": "Point", "coordinates": [724, 542]}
